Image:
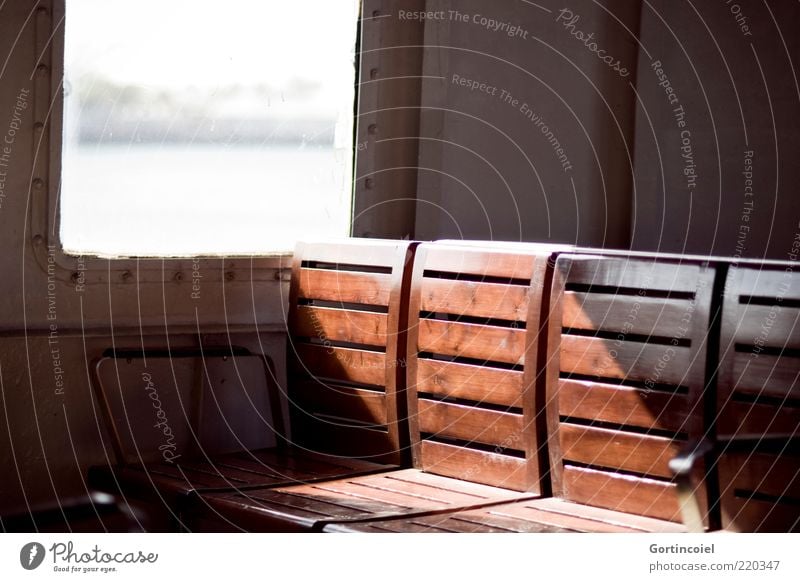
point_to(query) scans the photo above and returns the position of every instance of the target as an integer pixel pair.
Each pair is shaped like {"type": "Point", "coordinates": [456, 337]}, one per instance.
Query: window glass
{"type": "Point", "coordinates": [198, 127]}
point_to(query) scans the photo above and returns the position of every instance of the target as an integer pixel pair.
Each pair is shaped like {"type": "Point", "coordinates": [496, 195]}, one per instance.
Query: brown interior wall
{"type": "Point", "coordinates": [732, 67]}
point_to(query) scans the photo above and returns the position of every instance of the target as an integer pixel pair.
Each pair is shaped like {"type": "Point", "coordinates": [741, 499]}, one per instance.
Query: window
{"type": "Point", "coordinates": [202, 128]}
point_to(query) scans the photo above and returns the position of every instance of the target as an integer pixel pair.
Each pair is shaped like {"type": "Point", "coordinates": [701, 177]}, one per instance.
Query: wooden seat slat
{"type": "Point", "coordinates": [620, 492]}
{"type": "Point", "coordinates": [469, 423]}
{"type": "Point", "coordinates": [366, 406]}
{"type": "Point", "coordinates": [630, 361]}
{"type": "Point", "coordinates": [758, 397]}
{"type": "Point", "coordinates": [754, 418]}
{"type": "Point", "coordinates": [780, 325]}
{"type": "Point", "coordinates": [648, 455]}
{"type": "Point", "coordinates": [468, 340]}
{"type": "Point", "coordinates": [475, 299]}
{"type": "Point", "coordinates": [765, 374]}
{"type": "Point", "coordinates": [638, 274]}
{"type": "Point", "coordinates": [344, 286]}
{"type": "Point", "coordinates": [628, 314]}
{"type": "Point", "coordinates": [474, 465]}
{"type": "Point", "coordinates": [341, 325]}
{"type": "Point", "coordinates": [470, 382]}
{"type": "Point", "coordinates": [344, 364]}
{"type": "Point", "coordinates": [623, 405]}
{"type": "Point", "coordinates": [483, 263]}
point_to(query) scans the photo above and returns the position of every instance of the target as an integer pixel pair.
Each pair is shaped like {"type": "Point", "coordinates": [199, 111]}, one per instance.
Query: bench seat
{"type": "Point", "coordinates": [472, 375]}
{"type": "Point", "coordinates": [547, 515]}
{"type": "Point", "coordinates": [346, 329]}
{"type": "Point", "coordinates": [313, 506]}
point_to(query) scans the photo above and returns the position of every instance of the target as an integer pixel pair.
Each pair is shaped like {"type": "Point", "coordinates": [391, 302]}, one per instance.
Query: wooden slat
{"type": "Point", "coordinates": [616, 449]}
{"type": "Point", "coordinates": [625, 314]}
{"type": "Point", "coordinates": [777, 475]}
{"type": "Point", "coordinates": [478, 383]}
{"type": "Point", "coordinates": [477, 466]}
{"type": "Point", "coordinates": [345, 286]}
{"type": "Point", "coordinates": [479, 491]}
{"type": "Point", "coordinates": [665, 364]}
{"type": "Point", "coordinates": [480, 262]}
{"type": "Point", "coordinates": [470, 423]}
{"type": "Point", "coordinates": [339, 438]}
{"type": "Point", "coordinates": [765, 374]}
{"type": "Point", "coordinates": [489, 300]}
{"type": "Point", "coordinates": [778, 326]}
{"type": "Point", "coordinates": [344, 325]}
{"type": "Point", "coordinates": [752, 515]}
{"type": "Point", "coordinates": [366, 406]}
{"type": "Point", "coordinates": [392, 498]}
{"type": "Point", "coordinates": [349, 365]}
{"type": "Point", "coordinates": [766, 283]}
{"type": "Point", "coordinates": [622, 405]}
{"type": "Point", "coordinates": [630, 273]}
{"type": "Point", "coordinates": [529, 517]}
{"type": "Point", "coordinates": [375, 253]}
{"type": "Point", "coordinates": [737, 418]}
{"type": "Point", "coordinates": [598, 514]}
{"type": "Point", "coordinates": [467, 340]}
{"type": "Point", "coordinates": [646, 497]}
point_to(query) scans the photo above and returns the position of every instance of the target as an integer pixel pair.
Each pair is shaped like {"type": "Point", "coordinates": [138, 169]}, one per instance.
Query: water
{"type": "Point", "coordinates": [149, 200]}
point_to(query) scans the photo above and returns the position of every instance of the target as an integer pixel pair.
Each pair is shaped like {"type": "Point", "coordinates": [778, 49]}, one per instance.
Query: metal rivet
{"type": "Point", "coordinates": [369, 183]}
{"type": "Point", "coordinates": [372, 129]}
{"type": "Point", "coordinates": [178, 276]}
{"type": "Point", "coordinates": [376, 13]}
{"type": "Point", "coordinates": [230, 275]}
{"type": "Point", "coordinates": [74, 277]}
{"type": "Point", "coordinates": [42, 10]}
{"type": "Point", "coordinates": [38, 183]}
{"type": "Point", "coordinates": [373, 74]}
{"type": "Point", "coordinates": [41, 69]}
{"type": "Point", "coordinates": [38, 126]}
{"type": "Point", "coordinates": [38, 240]}
{"type": "Point", "coordinates": [127, 276]}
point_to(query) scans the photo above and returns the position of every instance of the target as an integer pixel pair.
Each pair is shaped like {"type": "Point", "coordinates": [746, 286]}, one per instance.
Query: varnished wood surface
{"type": "Point", "coordinates": [624, 405]}
{"type": "Point", "coordinates": [627, 370]}
{"type": "Point", "coordinates": [471, 382]}
{"type": "Point", "coordinates": [483, 308]}
{"type": "Point", "coordinates": [469, 423]}
{"type": "Point", "coordinates": [477, 299]}
{"type": "Point", "coordinates": [347, 324]}
{"type": "Point", "coordinates": [469, 340]}
{"type": "Point", "coordinates": [344, 286]}
{"type": "Point", "coordinates": [311, 507]}
{"type": "Point", "coordinates": [167, 482]}
{"type": "Point", "coordinates": [341, 325]}
{"type": "Point", "coordinates": [759, 396]}
{"type": "Point", "coordinates": [535, 516]}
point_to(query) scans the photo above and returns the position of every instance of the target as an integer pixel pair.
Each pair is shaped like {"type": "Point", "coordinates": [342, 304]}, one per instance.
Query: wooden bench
{"type": "Point", "coordinates": [625, 374]}
{"type": "Point", "coordinates": [474, 350]}
{"type": "Point", "coordinates": [754, 437]}
{"type": "Point", "coordinates": [346, 390]}
{"type": "Point", "coordinates": [609, 414]}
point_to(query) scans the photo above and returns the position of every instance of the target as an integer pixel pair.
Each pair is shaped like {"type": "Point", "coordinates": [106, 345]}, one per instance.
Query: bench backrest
{"type": "Point", "coordinates": [346, 375]}
{"type": "Point", "coordinates": [627, 366]}
{"type": "Point", "coordinates": [759, 396]}
{"type": "Point", "coordinates": [474, 326]}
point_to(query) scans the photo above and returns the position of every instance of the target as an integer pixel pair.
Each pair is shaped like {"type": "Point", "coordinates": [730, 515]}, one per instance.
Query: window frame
{"type": "Point", "coordinates": [380, 47]}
